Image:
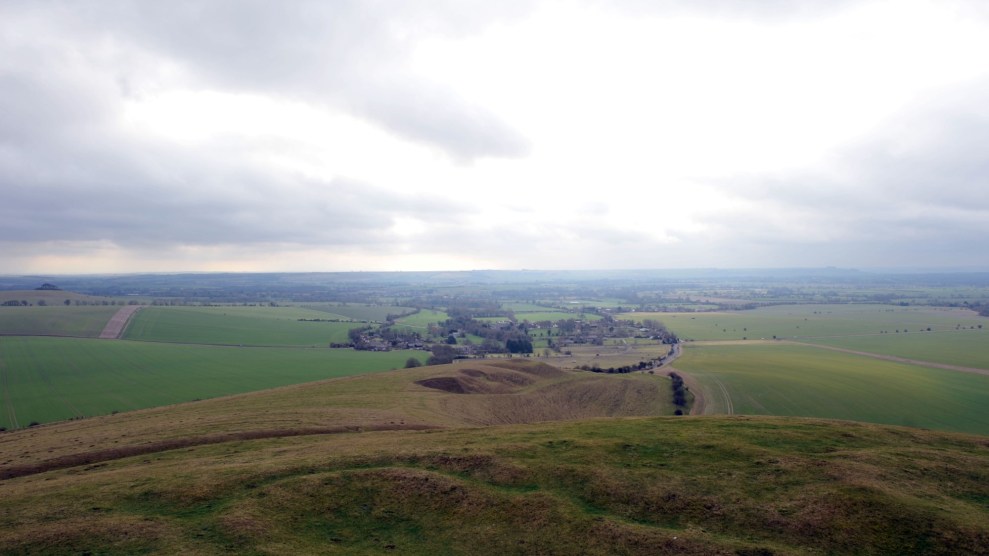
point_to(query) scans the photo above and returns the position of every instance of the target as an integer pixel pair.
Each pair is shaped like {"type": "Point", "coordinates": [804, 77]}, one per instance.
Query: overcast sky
{"type": "Point", "coordinates": [381, 135]}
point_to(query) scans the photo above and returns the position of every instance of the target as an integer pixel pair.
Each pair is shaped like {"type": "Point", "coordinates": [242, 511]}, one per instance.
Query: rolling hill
{"type": "Point", "coordinates": [513, 457]}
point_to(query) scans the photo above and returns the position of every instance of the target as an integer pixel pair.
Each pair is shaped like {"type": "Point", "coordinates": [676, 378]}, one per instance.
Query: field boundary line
{"type": "Point", "coordinates": [895, 359]}
{"type": "Point", "coordinates": [100, 456]}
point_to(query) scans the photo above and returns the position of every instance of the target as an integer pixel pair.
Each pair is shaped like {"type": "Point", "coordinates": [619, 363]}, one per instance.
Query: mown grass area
{"type": "Point", "coordinates": [966, 348]}
{"type": "Point", "coordinates": [56, 320]}
{"type": "Point", "coordinates": [238, 325]}
{"type": "Point", "coordinates": [48, 379]}
{"type": "Point", "coordinates": [812, 321]}
{"type": "Point", "coordinates": [630, 486]}
{"type": "Point", "coordinates": [773, 379]}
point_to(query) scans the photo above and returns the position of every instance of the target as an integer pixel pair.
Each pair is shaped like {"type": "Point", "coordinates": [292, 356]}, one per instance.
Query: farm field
{"type": "Point", "coordinates": [421, 320]}
{"type": "Point", "coordinates": [49, 379]}
{"type": "Point", "coordinates": [525, 307]}
{"type": "Point", "coordinates": [775, 379]}
{"type": "Point", "coordinates": [84, 321]}
{"type": "Point", "coordinates": [237, 325]}
{"type": "Point", "coordinates": [812, 321]}
{"type": "Point", "coordinates": [553, 316]}
{"type": "Point", "coordinates": [965, 348]}
{"type": "Point", "coordinates": [359, 312]}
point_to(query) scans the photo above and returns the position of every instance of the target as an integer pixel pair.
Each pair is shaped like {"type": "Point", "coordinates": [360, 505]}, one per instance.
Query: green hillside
{"type": "Point", "coordinates": [49, 379]}
{"type": "Point", "coordinates": [784, 379]}
{"type": "Point", "coordinates": [318, 471]}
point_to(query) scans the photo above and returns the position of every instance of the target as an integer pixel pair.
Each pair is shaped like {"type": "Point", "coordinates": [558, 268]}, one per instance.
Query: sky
{"type": "Point", "coordinates": [455, 135]}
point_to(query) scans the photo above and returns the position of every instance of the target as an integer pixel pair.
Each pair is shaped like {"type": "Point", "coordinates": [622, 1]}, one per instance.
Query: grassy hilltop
{"type": "Point", "coordinates": [400, 463]}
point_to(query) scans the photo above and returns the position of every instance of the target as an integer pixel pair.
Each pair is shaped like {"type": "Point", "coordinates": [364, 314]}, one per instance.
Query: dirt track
{"type": "Point", "coordinates": [115, 327]}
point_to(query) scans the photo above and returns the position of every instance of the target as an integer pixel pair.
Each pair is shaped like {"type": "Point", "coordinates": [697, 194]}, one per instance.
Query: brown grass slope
{"type": "Point", "coordinates": [526, 392]}
{"type": "Point", "coordinates": [262, 474]}
{"type": "Point", "coordinates": [663, 485]}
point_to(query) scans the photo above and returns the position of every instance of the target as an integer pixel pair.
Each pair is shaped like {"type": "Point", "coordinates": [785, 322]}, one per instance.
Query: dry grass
{"type": "Point", "coordinates": [207, 478]}
{"type": "Point", "coordinates": [633, 486]}
{"type": "Point", "coordinates": [537, 392]}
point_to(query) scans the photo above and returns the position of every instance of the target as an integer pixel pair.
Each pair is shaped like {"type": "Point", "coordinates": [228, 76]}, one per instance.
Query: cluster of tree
{"type": "Point", "coordinates": [372, 338]}
{"type": "Point", "coordinates": [595, 368]}
{"type": "Point", "coordinates": [679, 392]}
{"type": "Point", "coordinates": [442, 354]}
{"type": "Point", "coordinates": [519, 345]}
{"type": "Point", "coordinates": [506, 337]}
{"type": "Point", "coordinates": [392, 317]}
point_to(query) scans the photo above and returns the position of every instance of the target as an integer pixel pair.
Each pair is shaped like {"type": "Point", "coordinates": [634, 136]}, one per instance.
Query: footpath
{"type": "Point", "coordinates": [115, 327]}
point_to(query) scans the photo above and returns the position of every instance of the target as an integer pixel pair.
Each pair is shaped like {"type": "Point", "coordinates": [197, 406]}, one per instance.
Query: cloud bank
{"type": "Point", "coordinates": [142, 136]}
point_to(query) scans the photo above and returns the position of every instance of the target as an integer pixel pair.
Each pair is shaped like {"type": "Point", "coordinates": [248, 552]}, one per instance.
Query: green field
{"type": "Point", "coordinates": [966, 348]}
{"type": "Point", "coordinates": [525, 307]}
{"type": "Point", "coordinates": [56, 320]}
{"type": "Point", "coordinates": [773, 379]}
{"type": "Point", "coordinates": [48, 379]}
{"type": "Point", "coordinates": [421, 320]}
{"type": "Point", "coordinates": [554, 316]}
{"type": "Point", "coordinates": [237, 325]}
{"type": "Point", "coordinates": [361, 312]}
{"type": "Point", "coordinates": [812, 321]}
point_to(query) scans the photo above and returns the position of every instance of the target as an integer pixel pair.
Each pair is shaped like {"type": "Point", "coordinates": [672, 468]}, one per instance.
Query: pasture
{"type": "Point", "coordinates": [812, 321]}
{"type": "Point", "coordinates": [84, 321]}
{"type": "Point", "coordinates": [421, 320]}
{"type": "Point", "coordinates": [50, 379]}
{"type": "Point", "coordinates": [793, 380]}
{"type": "Point", "coordinates": [238, 325]}
{"type": "Point", "coordinates": [359, 311]}
{"type": "Point", "coordinates": [966, 348]}
{"type": "Point", "coordinates": [539, 316]}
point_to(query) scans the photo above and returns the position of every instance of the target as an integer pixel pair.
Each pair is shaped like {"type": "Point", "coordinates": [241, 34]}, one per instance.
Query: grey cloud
{"type": "Point", "coordinates": [67, 173]}
{"type": "Point", "coordinates": [916, 191]}
{"type": "Point", "coordinates": [465, 131]}
{"type": "Point", "coordinates": [345, 54]}
{"type": "Point", "coordinates": [91, 195]}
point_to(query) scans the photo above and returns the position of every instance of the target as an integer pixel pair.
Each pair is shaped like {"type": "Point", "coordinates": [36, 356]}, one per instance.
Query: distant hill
{"type": "Point", "coordinates": [396, 463]}
{"type": "Point", "coordinates": [49, 295]}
